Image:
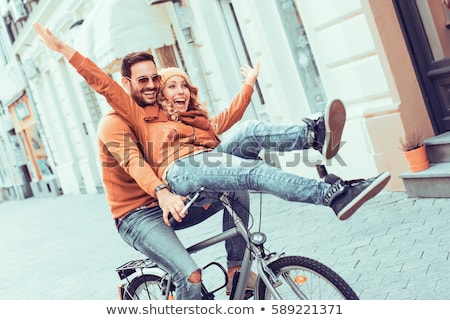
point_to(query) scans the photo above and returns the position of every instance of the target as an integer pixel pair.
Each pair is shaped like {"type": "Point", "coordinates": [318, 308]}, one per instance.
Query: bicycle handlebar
{"type": "Point", "coordinates": [191, 201]}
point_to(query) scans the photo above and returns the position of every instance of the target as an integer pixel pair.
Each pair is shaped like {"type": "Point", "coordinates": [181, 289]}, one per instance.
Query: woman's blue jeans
{"type": "Point", "coordinates": [234, 165]}
{"type": "Point", "coordinates": [145, 230]}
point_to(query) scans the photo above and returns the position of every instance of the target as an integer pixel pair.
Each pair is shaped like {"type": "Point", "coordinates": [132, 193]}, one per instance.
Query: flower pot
{"type": "Point", "coordinates": [417, 159]}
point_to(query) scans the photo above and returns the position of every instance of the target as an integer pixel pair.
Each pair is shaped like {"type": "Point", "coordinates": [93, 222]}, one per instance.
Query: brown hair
{"type": "Point", "coordinates": [132, 58]}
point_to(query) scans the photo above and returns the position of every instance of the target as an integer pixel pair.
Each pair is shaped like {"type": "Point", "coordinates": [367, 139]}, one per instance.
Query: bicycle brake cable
{"type": "Point", "coordinates": [260, 211]}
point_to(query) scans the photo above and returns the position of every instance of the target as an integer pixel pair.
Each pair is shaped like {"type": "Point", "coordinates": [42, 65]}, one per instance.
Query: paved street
{"type": "Point", "coordinates": [67, 247]}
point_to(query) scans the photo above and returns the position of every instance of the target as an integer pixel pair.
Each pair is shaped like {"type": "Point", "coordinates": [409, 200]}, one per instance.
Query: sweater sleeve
{"type": "Point", "coordinates": [227, 118]}
{"type": "Point", "coordinates": [120, 143]}
{"type": "Point", "coordinates": [103, 84]}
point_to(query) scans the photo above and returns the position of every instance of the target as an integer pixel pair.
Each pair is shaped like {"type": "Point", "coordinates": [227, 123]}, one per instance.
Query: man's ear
{"type": "Point", "coordinates": [126, 84]}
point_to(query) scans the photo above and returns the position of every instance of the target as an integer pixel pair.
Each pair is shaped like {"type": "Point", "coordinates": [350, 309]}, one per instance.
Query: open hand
{"type": "Point", "coordinates": [250, 74]}
{"type": "Point", "coordinates": [47, 37]}
{"type": "Point", "coordinates": [51, 41]}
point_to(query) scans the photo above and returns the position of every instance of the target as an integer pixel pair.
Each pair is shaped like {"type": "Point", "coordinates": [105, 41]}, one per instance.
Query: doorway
{"type": "Point", "coordinates": [424, 26]}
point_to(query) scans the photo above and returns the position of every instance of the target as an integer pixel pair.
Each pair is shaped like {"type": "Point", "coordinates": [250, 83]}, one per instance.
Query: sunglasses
{"type": "Point", "coordinates": [144, 80]}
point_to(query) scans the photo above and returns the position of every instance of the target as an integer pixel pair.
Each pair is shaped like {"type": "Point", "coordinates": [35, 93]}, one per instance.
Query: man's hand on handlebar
{"type": "Point", "coordinates": [171, 204]}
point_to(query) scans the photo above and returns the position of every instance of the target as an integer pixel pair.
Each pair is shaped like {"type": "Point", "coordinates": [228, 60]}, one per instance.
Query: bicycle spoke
{"type": "Point", "coordinates": [306, 279]}
{"type": "Point", "coordinates": [294, 286]}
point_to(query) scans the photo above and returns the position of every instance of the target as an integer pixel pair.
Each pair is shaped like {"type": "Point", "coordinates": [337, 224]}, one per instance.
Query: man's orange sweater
{"type": "Point", "coordinates": [162, 141]}
{"type": "Point", "coordinates": [126, 175]}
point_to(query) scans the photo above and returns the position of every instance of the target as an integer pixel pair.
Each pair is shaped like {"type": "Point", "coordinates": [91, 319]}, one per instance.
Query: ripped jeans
{"type": "Point", "coordinates": [145, 230]}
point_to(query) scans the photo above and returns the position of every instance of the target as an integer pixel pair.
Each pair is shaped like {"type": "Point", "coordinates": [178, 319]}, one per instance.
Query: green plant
{"type": "Point", "coordinates": [411, 141]}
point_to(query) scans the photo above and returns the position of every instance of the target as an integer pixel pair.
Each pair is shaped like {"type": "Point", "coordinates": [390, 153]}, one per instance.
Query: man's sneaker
{"type": "Point", "coordinates": [345, 197]}
{"type": "Point", "coordinates": [324, 133]}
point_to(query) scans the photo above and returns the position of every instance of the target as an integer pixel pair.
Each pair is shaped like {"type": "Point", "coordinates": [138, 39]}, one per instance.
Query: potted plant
{"type": "Point", "coordinates": [414, 149]}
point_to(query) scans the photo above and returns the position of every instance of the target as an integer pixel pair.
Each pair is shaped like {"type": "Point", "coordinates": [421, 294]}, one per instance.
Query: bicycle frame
{"type": "Point", "coordinates": [239, 229]}
{"type": "Point", "coordinates": [251, 253]}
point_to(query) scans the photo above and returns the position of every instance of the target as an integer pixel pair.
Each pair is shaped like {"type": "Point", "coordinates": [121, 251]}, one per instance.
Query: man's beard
{"type": "Point", "coordinates": [139, 99]}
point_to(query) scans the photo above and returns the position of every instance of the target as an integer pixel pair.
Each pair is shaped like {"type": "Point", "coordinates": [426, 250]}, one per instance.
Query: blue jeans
{"type": "Point", "coordinates": [145, 230]}
{"type": "Point", "coordinates": [234, 165]}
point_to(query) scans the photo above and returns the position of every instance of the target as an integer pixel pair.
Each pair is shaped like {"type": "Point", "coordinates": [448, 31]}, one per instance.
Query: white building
{"type": "Point", "coordinates": [309, 52]}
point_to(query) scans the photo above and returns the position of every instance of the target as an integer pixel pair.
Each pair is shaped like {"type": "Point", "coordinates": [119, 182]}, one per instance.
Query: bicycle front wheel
{"type": "Point", "coordinates": [146, 287]}
{"type": "Point", "coordinates": [301, 278]}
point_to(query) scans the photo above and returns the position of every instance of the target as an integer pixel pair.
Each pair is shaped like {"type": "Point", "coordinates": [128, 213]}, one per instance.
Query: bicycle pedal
{"type": "Point", "coordinates": [248, 294]}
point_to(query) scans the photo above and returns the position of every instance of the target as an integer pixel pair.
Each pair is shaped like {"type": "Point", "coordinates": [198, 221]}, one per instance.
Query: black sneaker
{"type": "Point", "coordinates": [345, 197]}
{"type": "Point", "coordinates": [324, 134]}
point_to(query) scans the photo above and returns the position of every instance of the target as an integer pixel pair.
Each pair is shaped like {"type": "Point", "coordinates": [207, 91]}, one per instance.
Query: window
{"type": "Point", "coordinates": [166, 57]}
{"type": "Point", "coordinates": [19, 12]}
{"type": "Point", "coordinates": [22, 111]}
{"type": "Point", "coordinates": [3, 56]}
{"type": "Point", "coordinates": [301, 50]}
{"type": "Point", "coordinates": [92, 103]}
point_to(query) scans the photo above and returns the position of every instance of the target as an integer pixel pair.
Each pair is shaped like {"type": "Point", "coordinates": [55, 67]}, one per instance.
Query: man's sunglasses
{"type": "Point", "coordinates": [143, 81]}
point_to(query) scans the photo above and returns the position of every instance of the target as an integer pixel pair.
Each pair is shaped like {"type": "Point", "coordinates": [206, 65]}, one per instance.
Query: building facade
{"type": "Point", "coordinates": [357, 50]}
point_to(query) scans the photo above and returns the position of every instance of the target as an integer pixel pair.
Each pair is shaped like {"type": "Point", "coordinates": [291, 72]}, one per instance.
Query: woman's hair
{"type": "Point", "coordinates": [194, 103]}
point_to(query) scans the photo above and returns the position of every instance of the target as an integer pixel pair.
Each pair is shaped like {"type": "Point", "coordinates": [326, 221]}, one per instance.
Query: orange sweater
{"type": "Point", "coordinates": [126, 175]}
{"type": "Point", "coordinates": [162, 141]}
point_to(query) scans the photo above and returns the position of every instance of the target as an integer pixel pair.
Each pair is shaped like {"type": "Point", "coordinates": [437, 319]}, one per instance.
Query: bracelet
{"type": "Point", "coordinates": [160, 187]}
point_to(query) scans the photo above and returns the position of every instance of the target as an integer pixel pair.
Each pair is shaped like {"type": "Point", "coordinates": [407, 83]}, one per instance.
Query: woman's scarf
{"type": "Point", "coordinates": [193, 118]}
{"type": "Point", "coordinates": [199, 119]}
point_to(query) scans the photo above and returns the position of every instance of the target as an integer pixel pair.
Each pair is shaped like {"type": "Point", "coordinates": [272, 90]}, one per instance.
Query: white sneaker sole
{"type": "Point", "coordinates": [334, 117]}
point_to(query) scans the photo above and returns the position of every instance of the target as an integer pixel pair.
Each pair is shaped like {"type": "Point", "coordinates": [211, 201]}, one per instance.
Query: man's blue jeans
{"type": "Point", "coordinates": [145, 230]}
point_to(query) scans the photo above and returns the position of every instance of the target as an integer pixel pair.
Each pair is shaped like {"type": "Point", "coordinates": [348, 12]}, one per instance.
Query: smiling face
{"type": "Point", "coordinates": [177, 92]}
{"type": "Point", "coordinates": [143, 83]}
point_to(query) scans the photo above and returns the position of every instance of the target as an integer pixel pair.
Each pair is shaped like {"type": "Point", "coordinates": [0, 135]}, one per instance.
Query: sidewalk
{"type": "Point", "coordinates": [393, 248]}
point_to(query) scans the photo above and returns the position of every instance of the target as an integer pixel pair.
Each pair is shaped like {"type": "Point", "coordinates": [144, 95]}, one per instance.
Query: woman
{"type": "Point", "coordinates": [233, 164]}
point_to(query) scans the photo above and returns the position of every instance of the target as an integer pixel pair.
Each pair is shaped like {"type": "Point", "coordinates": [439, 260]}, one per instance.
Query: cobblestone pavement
{"type": "Point", "coordinates": [393, 248]}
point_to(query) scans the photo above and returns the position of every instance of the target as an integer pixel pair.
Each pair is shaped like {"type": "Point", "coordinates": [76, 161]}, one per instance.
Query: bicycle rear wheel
{"type": "Point", "coordinates": [146, 287]}
{"type": "Point", "coordinates": [301, 278]}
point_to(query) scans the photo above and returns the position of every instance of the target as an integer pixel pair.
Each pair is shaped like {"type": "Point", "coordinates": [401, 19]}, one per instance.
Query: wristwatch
{"type": "Point", "coordinates": [160, 187]}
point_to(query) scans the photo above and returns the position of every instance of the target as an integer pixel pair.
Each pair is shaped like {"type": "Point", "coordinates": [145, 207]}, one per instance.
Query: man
{"type": "Point", "coordinates": [126, 179]}
{"type": "Point", "coordinates": [134, 191]}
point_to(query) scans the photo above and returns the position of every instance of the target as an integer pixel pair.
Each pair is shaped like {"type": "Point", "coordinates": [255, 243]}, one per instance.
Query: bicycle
{"type": "Point", "coordinates": [278, 276]}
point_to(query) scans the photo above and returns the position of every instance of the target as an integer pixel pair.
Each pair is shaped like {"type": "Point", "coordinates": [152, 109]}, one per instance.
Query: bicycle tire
{"type": "Point", "coordinates": [146, 287]}
{"type": "Point", "coordinates": [311, 278]}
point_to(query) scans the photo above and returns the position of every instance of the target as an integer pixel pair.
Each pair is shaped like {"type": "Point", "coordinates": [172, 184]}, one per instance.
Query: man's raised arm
{"type": "Point", "coordinates": [101, 82]}
{"type": "Point", "coordinates": [53, 42]}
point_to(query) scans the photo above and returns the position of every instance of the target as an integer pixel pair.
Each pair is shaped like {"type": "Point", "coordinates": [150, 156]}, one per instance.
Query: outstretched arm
{"type": "Point", "coordinates": [53, 42]}
{"type": "Point", "coordinates": [228, 117]}
{"type": "Point", "coordinates": [101, 82]}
